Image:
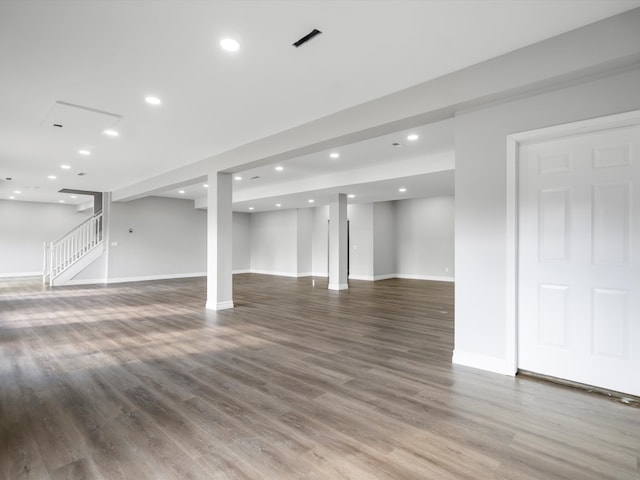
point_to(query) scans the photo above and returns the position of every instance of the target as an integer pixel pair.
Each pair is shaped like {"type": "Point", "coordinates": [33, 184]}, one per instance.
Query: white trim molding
{"type": "Point", "coordinates": [366, 278]}
{"type": "Point", "coordinates": [143, 278]}
{"type": "Point", "coordinates": [434, 278]}
{"type": "Point", "coordinates": [338, 286]}
{"type": "Point", "coordinates": [20, 274]}
{"type": "Point", "coordinates": [483, 362]}
{"type": "Point", "coordinates": [514, 142]}
{"type": "Point", "coordinates": [219, 306]}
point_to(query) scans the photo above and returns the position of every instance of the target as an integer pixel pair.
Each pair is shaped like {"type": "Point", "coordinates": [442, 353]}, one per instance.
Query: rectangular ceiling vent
{"type": "Point", "coordinates": [79, 119]}
{"type": "Point", "coordinates": [306, 38]}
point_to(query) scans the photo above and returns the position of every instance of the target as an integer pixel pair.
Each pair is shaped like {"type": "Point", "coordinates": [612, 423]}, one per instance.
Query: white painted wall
{"type": "Point", "coordinates": [169, 239]}
{"type": "Point", "coordinates": [384, 241]}
{"type": "Point", "coordinates": [361, 241]}
{"type": "Point", "coordinates": [425, 238]}
{"type": "Point", "coordinates": [274, 242]}
{"type": "Point", "coordinates": [320, 242]}
{"type": "Point", "coordinates": [241, 242]}
{"type": "Point", "coordinates": [25, 227]}
{"type": "Point", "coordinates": [305, 241]}
{"type": "Point", "coordinates": [480, 203]}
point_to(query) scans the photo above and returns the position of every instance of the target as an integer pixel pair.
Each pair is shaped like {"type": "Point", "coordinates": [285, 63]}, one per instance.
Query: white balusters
{"type": "Point", "coordinates": [69, 248]}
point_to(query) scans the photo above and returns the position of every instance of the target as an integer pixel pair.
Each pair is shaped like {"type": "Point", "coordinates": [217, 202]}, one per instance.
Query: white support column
{"type": "Point", "coordinates": [338, 243]}
{"type": "Point", "coordinates": [219, 242]}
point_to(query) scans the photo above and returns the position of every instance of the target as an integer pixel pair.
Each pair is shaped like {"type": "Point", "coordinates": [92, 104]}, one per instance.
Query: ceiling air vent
{"type": "Point", "coordinates": [255, 178]}
{"type": "Point", "coordinates": [306, 38]}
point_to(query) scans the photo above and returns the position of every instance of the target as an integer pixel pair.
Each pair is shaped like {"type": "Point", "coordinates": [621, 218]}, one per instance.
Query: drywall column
{"type": "Point", "coordinates": [219, 242]}
{"type": "Point", "coordinates": [338, 243]}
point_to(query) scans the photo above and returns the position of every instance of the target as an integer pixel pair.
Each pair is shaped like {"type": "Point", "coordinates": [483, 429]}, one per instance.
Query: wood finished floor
{"type": "Point", "coordinates": [138, 381]}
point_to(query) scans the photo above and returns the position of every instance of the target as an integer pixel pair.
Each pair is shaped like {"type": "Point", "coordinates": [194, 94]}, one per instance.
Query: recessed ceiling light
{"type": "Point", "coordinates": [311, 200]}
{"type": "Point", "coordinates": [278, 204]}
{"type": "Point", "coordinates": [84, 152]}
{"type": "Point", "coordinates": [402, 189]}
{"type": "Point", "coordinates": [111, 133]}
{"type": "Point", "coordinates": [206, 185]}
{"type": "Point", "coordinates": [334, 155]}
{"type": "Point", "coordinates": [238, 177]}
{"type": "Point", "coordinates": [412, 137]}
{"type": "Point", "coordinates": [74, 196]}
{"type": "Point", "coordinates": [60, 201]}
{"type": "Point", "coordinates": [250, 208]}
{"type": "Point", "coordinates": [17, 191]}
{"type": "Point", "coordinates": [52, 177]}
{"type": "Point", "coordinates": [279, 168]}
{"type": "Point", "coordinates": [181, 192]}
{"type": "Point", "coordinates": [351, 195]}
{"type": "Point", "coordinates": [65, 167]}
{"type": "Point", "coordinates": [229, 44]}
{"type": "Point", "coordinates": [12, 198]}
{"type": "Point", "coordinates": [153, 100]}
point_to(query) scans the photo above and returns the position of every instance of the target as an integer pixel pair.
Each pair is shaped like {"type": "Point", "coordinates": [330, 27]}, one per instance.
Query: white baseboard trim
{"type": "Point", "coordinates": [143, 278]}
{"type": "Point", "coordinates": [386, 276]}
{"type": "Point", "coordinates": [219, 306]}
{"type": "Point", "coordinates": [338, 286]}
{"type": "Point", "coordinates": [283, 274]}
{"type": "Point", "coordinates": [20, 274]}
{"type": "Point", "coordinates": [425, 277]}
{"type": "Point", "coordinates": [85, 281]}
{"type": "Point", "coordinates": [482, 362]}
{"type": "Point", "coordinates": [367, 278]}
{"type": "Point", "coordinates": [241, 271]}
{"type": "Point", "coordinates": [320, 274]}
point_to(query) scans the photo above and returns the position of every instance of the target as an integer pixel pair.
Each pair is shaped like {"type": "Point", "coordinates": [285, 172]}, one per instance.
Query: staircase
{"type": "Point", "coordinates": [67, 256]}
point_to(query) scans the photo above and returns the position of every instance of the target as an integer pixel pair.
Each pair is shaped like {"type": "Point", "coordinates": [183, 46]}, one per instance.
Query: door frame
{"type": "Point", "coordinates": [514, 141]}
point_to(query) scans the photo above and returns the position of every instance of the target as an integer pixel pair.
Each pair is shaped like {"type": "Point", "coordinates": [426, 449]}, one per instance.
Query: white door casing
{"type": "Point", "coordinates": [574, 241]}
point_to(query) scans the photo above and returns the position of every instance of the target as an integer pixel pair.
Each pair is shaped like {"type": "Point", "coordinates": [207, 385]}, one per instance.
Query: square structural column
{"type": "Point", "coordinates": [219, 242]}
{"type": "Point", "coordinates": [338, 243]}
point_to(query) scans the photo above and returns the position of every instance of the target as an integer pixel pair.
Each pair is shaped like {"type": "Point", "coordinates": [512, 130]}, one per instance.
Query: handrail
{"type": "Point", "coordinates": [71, 247]}
{"type": "Point", "coordinates": [87, 220]}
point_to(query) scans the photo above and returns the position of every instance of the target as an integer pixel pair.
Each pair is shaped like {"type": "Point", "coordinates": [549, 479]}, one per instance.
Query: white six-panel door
{"type": "Point", "coordinates": [579, 249]}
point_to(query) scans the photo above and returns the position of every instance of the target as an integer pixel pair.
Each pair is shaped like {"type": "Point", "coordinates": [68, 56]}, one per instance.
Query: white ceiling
{"type": "Point", "coordinates": [106, 56]}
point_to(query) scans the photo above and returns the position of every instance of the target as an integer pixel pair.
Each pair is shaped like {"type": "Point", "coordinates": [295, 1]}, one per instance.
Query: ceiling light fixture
{"type": "Point", "coordinates": [229, 44]}
{"type": "Point", "coordinates": [311, 200]}
{"type": "Point", "coordinates": [402, 189]}
{"type": "Point", "coordinates": [351, 195]}
{"type": "Point", "coordinates": [335, 155]}
{"type": "Point", "coordinates": [12, 198]}
{"type": "Point", "coordinates": [279, 168]}
{"type": "Point", "coordinates": [65, 167]}
{"type": "Point", "coordinates": [250, 208]}
{"type": "Point", "coordinates": [74, 196]}
{"type": "Point", "coordinates": [181, 192]}
{"type": "Point", "coordinates": [17, 191]}
{"type": "Point", "coordinates": [84, 152]}
{"type": "Point", "coordinates": [238, 178]}
{"type": "Point", "coordinates": [153, 100]}
{"type": "Point", "coordinates": [412, 137]}
{"type": "Point", "coordinates": [52, 177]}
{"type": "Point", "coordinates": [206, 185]}
{"type": "Point", "coordinates": [111, 133]}
{"type": "Point", "coordinates": [278, 204]}
{"type": "Point", "coordinates": [60, 201]}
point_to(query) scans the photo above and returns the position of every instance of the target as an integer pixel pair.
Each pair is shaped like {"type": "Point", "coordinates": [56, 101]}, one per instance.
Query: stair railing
{"type": "Point", "coordinates": [71, 247]}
